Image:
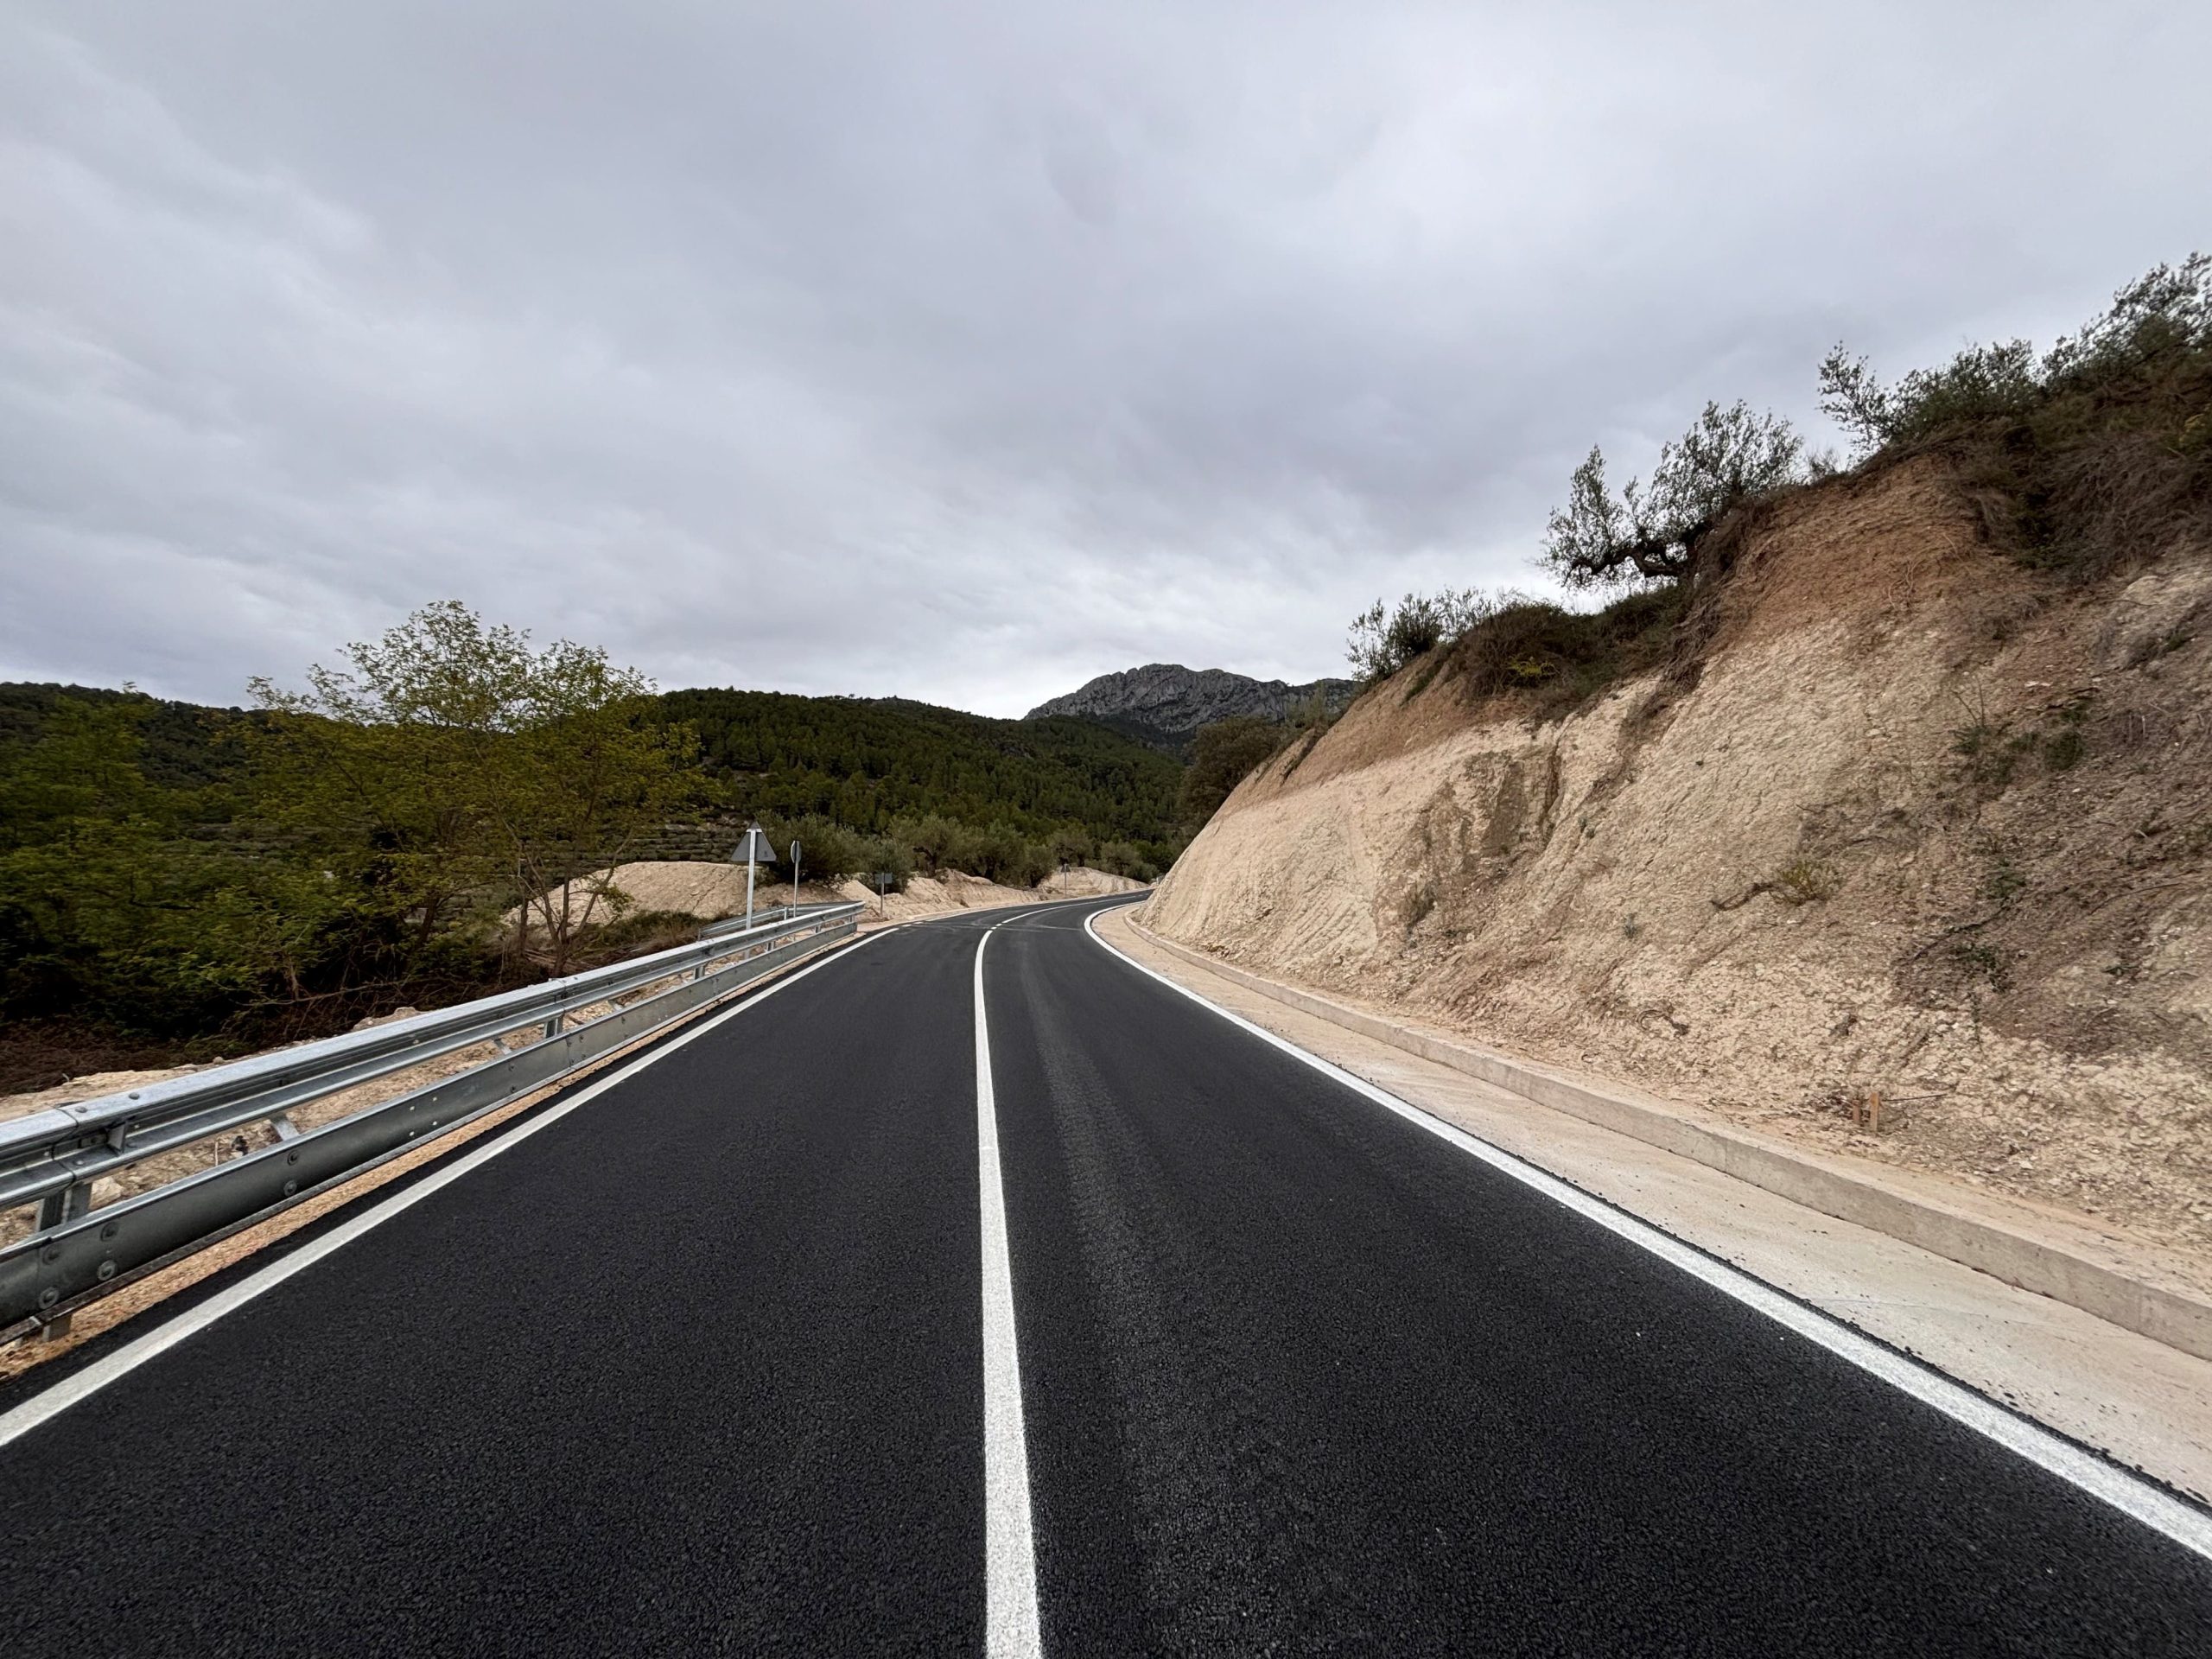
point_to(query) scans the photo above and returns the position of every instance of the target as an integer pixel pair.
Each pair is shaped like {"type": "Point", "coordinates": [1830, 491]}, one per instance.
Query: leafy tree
{"type": "Point", "coordinates": [1223, 755]}
{"type": "Point", "coordinates": [1650, 532]}
{"type": "Point", "coordinates": [830, 851]}
{"type": "Point", "coordinates": [937, 843]}
{"type": "Point", "coordinates": [454, 756]}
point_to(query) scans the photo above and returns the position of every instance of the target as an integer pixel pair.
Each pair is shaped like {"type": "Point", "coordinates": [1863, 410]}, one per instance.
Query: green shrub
{"type": "Point", "coordinates": [2095, 456]}
{"type": "Point", "coordinates": [1807, 881]}
{"type": "Point", "coordinates": [1384, 640]}
{"type": "Point", "coordinates": [1556, 659]}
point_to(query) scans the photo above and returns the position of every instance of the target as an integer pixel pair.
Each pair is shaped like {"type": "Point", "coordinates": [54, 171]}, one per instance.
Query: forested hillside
{"type": "Point", "coordinates": [860, 762]}
{"type": "Point", "coordinates": [181, 880]}
{"type": "Point", "coordinates": [182, 744]}
{"type": "Point", "coordinates": [866, 762]}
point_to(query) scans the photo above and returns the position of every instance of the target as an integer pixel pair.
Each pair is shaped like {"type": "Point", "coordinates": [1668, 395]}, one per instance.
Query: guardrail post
{"type": "Point", "coordinates": [68, 1205]}
{"type": "Point", "coordinates": [53, 1209]}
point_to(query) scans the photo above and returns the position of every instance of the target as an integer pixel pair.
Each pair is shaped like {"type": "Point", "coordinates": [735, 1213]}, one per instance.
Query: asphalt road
{"type": "Point", "coordinates": [699, 1367]}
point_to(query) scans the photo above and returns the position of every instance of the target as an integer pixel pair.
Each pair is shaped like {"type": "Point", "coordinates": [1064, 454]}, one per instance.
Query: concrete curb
{"type": "Point", "coordinates": [2115, 1290]}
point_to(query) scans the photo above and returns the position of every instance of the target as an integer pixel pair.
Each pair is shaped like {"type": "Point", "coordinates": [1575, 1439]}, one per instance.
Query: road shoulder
{"type": "Point", "coordinates": [2145, 1404]}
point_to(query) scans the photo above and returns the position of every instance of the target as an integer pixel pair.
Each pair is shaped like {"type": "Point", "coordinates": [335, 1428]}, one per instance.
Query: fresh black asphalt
{"type": "Point", "coordinates": [695, 1369]}
{"type": "Point", "coordinates": [1300, 1376]}
{"type": "Point", "coordinates": [692, 1369]}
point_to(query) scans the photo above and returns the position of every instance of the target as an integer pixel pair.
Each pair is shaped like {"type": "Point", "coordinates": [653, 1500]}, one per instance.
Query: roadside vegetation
{"type": "Point", "coordinates": [2078, 462]}
{"type": "Point", "coordinates": [192, 882]}
{"type": "Point", "coordinates": [408, 828]}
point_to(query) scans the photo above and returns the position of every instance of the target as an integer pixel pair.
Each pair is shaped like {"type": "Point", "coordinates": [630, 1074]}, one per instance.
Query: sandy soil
{"type": "Point", "coordinates": [1787, 889]}
{"type": "Point", "coordinates": [713, 890]}
{"type": "Point", "coordinates": [1084, 882]}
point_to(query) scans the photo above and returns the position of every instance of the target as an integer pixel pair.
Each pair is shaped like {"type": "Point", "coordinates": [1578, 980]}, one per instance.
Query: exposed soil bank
{"type": "Point", "coordinates": [1915, 824]}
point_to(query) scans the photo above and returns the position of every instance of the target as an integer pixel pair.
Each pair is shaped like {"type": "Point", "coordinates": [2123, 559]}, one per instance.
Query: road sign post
{"type": "Point", "coordinates": [794, 875]}
{"type": "Point", "coordinates": [752, 849]}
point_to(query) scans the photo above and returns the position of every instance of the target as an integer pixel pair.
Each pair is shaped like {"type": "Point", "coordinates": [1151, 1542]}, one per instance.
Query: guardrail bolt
{"type": "Point", "coordinates": [51, 1254]}
{"type": "Point", "coordinates": [290, 1187]}
{"type": "Point", "coordinates": [108, 1231]}
{"type": "Point", "coordinates": [49, 1297]}
{"type": "Point", "coordinates": [106, 1270]}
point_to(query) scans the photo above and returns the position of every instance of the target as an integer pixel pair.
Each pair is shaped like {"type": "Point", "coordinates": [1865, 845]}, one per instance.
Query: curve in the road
{"type": "Point", "coordinates": [995, 1293]}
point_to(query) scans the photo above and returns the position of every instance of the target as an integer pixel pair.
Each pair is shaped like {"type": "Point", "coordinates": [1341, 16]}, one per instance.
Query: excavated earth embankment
{"type": "Point", "coordinates": [1916, 824]}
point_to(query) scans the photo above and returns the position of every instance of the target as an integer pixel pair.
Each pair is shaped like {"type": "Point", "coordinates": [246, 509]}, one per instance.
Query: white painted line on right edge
{"type": "Point", "coordinates": [1011, 1627]}
{"type": "Point", "coordinates": [2131, 1494]}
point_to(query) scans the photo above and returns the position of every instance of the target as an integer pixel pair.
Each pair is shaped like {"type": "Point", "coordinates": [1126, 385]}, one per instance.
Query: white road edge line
{"type": "Point", "coordinates": [1010, 1628]}
{"type": "Point", "coordinates": [80, 1385]}
{"type": "Point", "coordinates": [2131, 1494]}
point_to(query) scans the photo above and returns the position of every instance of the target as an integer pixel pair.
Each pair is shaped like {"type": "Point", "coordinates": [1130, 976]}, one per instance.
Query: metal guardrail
{"type": "Point", "coordinates": [52, 1158]}
{"type": "Point", "coordinates": [768, 916]}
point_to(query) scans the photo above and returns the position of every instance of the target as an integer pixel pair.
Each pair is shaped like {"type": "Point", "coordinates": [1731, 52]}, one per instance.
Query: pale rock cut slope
{"type": "Point", "coordinates": [1774, 884]}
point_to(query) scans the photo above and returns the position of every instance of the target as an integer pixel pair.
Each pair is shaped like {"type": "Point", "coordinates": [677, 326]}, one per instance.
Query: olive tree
{"type": "Point", "coordinates": [1650, 532]}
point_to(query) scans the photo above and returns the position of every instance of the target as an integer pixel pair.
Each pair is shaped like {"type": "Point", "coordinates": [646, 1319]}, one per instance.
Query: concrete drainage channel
{"type": "Point", "coordinates": [2112, 1289]}
{"type": "Point", "coordinates": [76, 1253]}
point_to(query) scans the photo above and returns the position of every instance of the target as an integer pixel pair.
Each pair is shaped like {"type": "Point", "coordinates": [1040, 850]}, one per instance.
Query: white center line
{"type": "Point", "coordinates": [1010, 1626]}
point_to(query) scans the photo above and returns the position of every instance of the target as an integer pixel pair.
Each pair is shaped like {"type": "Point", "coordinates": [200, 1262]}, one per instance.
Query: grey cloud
{"type": "Point", "coordinates": [965, 351]}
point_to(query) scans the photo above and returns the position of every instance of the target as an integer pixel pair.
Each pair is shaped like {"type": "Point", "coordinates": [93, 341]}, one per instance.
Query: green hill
{"type": "Point", "coordinates": [177, 880]}
{"type": "Point", "coordinates": [182, 745]}
{"type": "Point", "coordinates": [861, 762]}
{"type": "Point", "coordinates": [865, 762]}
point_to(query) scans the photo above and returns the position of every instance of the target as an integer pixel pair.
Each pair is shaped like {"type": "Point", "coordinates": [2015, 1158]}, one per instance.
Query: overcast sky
{"type": "Point", "coordinates": [963, 352]}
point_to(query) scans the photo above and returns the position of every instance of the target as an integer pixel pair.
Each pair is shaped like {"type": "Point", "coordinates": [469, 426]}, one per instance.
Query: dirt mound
{"type": "Point", "coordinates": [712, 892]}
{"type": "Point", "coordinates": [1084, 882]}
{"type": "Point", "coordinates": [939, 894]}
{"type": "Point", "coordinates": [1918, 823]}
{"type": "Point", "coordinates": [709, 891]}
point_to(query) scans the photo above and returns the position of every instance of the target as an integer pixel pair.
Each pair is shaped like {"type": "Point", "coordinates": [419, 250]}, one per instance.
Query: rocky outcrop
{"type": "Point", "coordinates": [1165, 703]}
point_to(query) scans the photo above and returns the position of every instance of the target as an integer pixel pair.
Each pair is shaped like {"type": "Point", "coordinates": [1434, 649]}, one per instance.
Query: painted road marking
{"type": "Point", "coordinates": [1010, 1623]}
{"type": "Point", "coordinates": [2131, 1494]}
{"type": "Point", "coordinates": [80, 1385]}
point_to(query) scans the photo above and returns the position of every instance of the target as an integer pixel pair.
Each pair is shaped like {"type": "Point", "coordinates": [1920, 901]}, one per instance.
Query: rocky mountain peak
{"type": "Point", "coordinates": [1166, 703]}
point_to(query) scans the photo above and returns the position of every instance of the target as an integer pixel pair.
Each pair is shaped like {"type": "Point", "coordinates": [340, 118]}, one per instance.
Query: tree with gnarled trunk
{"type": "Point", "coordinates": [1650, 532]}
